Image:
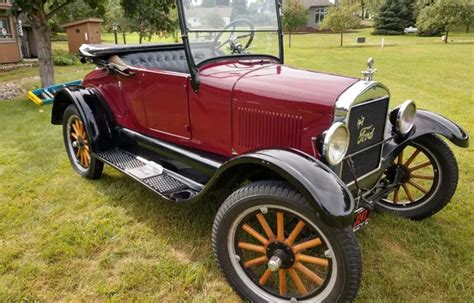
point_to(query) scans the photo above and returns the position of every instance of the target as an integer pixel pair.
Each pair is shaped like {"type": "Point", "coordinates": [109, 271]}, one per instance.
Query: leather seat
{"type": "Point", "coordinates": [169, 60]}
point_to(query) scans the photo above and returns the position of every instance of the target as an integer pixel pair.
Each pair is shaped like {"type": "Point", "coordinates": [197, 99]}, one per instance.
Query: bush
{"type": "Point", "coordinates": [65, 59]}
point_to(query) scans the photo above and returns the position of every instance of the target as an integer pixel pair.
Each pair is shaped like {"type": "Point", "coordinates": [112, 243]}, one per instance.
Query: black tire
{"type": "Point", "coordinates": [444, 183]}
{"type": "Point", "coordinates": [343, 282]}
{"type": "Point", "coordinates": [89, 168]}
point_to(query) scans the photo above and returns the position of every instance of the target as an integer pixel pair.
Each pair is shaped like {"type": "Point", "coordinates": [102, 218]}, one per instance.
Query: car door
{"type": "Point", "coordinates": [165, 101]}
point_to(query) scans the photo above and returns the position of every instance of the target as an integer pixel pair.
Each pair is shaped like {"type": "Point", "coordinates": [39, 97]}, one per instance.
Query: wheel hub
{"type": "Point", "coordinates": [80, 142]}
{"type": "Point", "coordinates": [398, 174]}
{"type": "Point", "coordinates": [280, 255]}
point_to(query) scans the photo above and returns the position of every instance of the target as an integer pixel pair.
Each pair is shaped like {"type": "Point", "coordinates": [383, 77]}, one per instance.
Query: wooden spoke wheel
{"type": "Point", "coordinates": [425, 174]}
{"type": "Point", "coordinates": [417, 173]}
{"type": "Point", "coordinates": [272, 247]}
{"type": "Point", "coordinates": [78, 147]}
{"type": "Point", "coordinates": [79, 141]}
{"type": "Point", "coordinates": [282, 253]}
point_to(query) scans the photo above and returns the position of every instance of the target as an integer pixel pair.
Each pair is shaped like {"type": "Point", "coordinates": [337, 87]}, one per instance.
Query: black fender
{"type": "Point", "coordinates": [427, 122]}
{"type": "Point", "coordinates": [95, 113]}
{"type": "Point", "coordinates": [323, 189]}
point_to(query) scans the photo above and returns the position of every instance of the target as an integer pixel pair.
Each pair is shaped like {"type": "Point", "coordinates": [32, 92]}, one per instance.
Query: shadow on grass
{"type": "Point", "coordinates": [185, 226]}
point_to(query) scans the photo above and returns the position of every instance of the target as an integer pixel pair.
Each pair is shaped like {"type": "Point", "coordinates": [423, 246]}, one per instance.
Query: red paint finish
{"type": "Point", "coordinates": [255, 128]}
{"type": "Point", "coordinates": [241, 105]}
{"type": "Point", "coordinates": [292, 102]}
{"type": "Point", "coordinates": [165, 100]}
{"type": "Point", "coordinates": [211, 108]}
{"type": "Point", "coordinates": [122, 96]}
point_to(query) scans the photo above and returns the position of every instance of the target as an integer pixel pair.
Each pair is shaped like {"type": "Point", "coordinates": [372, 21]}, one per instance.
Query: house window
{"type": "Point", "coordinates": [320, 13]}
{"type": "Point", "coordinates": [5, 31]}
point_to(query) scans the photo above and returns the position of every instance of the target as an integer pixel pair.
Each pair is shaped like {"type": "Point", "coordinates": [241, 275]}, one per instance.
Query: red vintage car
{"type": "Point", "coordinates": [296, 158]}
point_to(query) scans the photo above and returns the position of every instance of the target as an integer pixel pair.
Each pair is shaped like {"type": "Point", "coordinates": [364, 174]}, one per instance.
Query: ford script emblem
{"type": "Point", "coordinates": [366, 133]}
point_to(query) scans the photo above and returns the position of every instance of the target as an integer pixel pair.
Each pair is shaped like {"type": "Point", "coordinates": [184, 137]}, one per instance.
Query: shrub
{"type": "Point", "coordinates": [65, 59]}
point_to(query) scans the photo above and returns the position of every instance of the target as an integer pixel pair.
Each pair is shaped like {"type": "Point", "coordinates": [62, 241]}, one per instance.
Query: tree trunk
{"type": "Point", "coordinates": [124, 36]}
{"type": "Point", "coordinates": [289, 39]}
{"type": "Point", "coordinates": [342, 38]}
{"type": "Point", "coordinates": [45, 53]}
{"type": "Point", "coordinates": [447, 36]}
{"type": "Point", "coordinates": [362, 7]}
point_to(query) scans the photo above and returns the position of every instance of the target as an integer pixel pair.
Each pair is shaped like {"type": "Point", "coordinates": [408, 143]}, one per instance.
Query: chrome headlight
{"type": "Point", "coordinates": [336, 143]}
{"type": "Point", "coordinates": [405, 117]}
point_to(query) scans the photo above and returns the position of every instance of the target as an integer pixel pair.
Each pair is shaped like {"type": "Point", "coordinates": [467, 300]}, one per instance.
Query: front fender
{"type": "Point", "coordinates": [324, 190]}
{"type": "Point", "coordinates": [93, 110]}
{"type": "Point", "coordinates": [426, 123]}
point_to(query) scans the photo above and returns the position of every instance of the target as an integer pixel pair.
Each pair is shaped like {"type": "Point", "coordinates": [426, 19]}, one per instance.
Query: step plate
{"type": "Point", "coordinates": [165, 184]}
{"type": "Point", "coordinates": [121, 159]}
{"type": "Point", "coordinates": [162, 182]}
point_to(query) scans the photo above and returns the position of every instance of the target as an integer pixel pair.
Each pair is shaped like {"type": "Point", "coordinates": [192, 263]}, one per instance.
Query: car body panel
{"type": "Point", "coordinates": [218, 118]}
{"type": "Point", "coordinates": [280, 106]}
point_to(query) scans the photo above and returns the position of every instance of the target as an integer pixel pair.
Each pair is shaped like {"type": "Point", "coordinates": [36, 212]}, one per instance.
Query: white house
{"type": "Point", "coordinates": [317, 10]}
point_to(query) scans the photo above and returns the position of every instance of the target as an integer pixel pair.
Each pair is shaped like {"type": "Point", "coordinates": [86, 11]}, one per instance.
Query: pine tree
{"type": "Point", "coordinates": [394, 16]}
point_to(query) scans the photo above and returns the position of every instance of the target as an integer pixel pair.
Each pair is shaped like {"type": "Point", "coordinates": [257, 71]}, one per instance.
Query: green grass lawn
{"type": "Point", "coordinates": [63, 238]}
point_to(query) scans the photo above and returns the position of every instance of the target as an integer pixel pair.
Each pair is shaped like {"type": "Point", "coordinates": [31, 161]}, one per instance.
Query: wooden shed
{"type": "Point", "coordinates": [9, 42]}
{"type": "Point", "coordinates": [86, 31]}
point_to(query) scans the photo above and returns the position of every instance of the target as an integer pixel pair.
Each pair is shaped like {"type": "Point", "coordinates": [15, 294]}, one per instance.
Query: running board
{"type": "Point", "coordinates": [155, 177]}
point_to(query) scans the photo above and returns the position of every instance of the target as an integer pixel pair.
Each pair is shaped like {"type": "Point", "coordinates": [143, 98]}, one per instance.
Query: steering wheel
{"type": "Point", "coordinates": [235, 45]}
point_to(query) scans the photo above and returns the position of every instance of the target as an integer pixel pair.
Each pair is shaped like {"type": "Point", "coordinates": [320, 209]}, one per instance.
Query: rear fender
{"type": "Point", "coordinates": [325, 191]}
{"type": "Point", "coordinates": [97, 117]}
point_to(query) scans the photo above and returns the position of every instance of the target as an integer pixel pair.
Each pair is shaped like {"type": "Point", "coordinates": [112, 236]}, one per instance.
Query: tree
{"type": "Point", "coordinates": [39, 12]}
{"type": "Point", "coordinates": [428, 24]}
{"type": "Point", "coordinates": [342, 17]}
{"type": "Point", "coordinates": [394, 16]}
{"type": "Point", "coordinates": [77, 10]}
{"type": "Point", "coordinates": [149, 17]}
{"type": "Point", "coordinates": [373, 6]}
{"type": "Point", "coordinates": [295, 16]}
{"type": "Point", "coordinates": [208, 3]}
{"type": "Point", "coordinates": [444, 14]}
{"type": "Point", "coordinates": [214, 20]}
{"type": "Point", "coordinates": [469, 18]}
{"type": "Point", "coordinates": [239, 10]}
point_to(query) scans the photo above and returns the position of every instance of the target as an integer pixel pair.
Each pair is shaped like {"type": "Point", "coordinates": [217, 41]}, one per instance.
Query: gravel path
{"type": "Point", "coordinates": [13, 89]}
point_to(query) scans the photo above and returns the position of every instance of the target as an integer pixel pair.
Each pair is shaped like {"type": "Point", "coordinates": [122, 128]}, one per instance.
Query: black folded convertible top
{"type": "Point", "coordinates": [104, 50]}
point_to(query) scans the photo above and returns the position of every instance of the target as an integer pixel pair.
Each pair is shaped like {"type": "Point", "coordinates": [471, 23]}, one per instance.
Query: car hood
{"type": "Point", "coordinates": [271, 105]}
{"type": "Point", "coordinates": [264, 82]}
{"type": "Point", "coordinates": [289, 87]}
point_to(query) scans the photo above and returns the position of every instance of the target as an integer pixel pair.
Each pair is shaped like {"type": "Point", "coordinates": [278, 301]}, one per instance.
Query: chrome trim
{"type": "Point", "coordinates": [328, 138]}
{"type": "Point", "coordinates": [401, 113]}
{"type": "Point", "coordinates": [361, 92]}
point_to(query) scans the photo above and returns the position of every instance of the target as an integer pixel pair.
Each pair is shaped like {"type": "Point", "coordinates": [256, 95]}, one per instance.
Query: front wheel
{"type": "Point", "coordinates": [426, 175]}
{"type": "Point", "coordinates": [272, 247]}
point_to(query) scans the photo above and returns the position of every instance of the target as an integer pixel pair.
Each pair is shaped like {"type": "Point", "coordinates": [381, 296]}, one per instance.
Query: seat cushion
{"type": "Point", "coordinates": [169, 60]}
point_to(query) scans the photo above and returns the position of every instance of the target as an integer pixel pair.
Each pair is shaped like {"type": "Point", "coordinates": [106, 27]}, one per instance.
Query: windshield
{"type": "Point", "coordinates": [219, 28]}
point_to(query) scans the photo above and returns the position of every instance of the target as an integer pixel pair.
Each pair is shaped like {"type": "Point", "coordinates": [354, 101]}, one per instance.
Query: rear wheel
{"type": "Point", "coordinates": [271, 246]}
{"type": "Point", "coordinates": [76, 141]}
{"type": "Point", "coordinates": [427, 179]}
